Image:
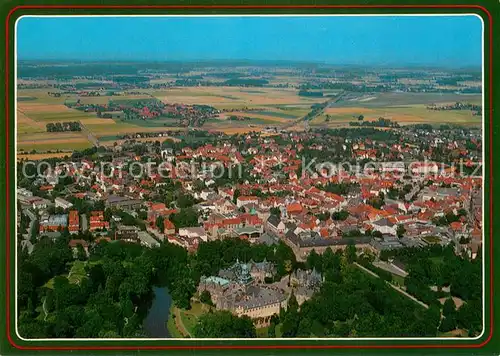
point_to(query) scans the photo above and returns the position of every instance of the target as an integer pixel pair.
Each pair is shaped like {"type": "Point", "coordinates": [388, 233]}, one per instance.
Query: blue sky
{"type": "Point", "coordinates": [437, 41]}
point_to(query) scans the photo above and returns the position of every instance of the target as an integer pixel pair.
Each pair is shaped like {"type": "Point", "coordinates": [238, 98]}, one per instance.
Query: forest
{"type": "Point", "coordinates": [113, 293]}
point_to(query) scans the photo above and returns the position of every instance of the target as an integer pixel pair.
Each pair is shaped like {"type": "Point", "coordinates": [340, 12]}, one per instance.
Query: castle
{"type": "Point", "coordinates": [242, 289]}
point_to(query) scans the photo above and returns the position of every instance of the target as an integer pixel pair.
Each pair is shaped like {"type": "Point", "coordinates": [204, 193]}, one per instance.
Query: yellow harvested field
{"type": "Point", "coordinates": [40, 156]}
{"type": "Point", "coordinates": [41, 108]}
{"type": "Point", "coordinates": [52, 135]}
{"type": "Point", "coordinates": [28, 125]}
{"type": "Point", "coordinates": [119, 129]}
{"type": "Point", "coordinates": [47, 141]}
{"type": "Point", "coordinates": [226, 97]}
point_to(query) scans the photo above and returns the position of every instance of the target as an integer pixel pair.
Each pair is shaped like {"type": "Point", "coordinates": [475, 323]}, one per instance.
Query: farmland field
{"type": "Point", "coordinates": [411, 114]}
{"type": "Point", "coordinates": [269, 107]}
{"type": "Point", "coordinates": [403, 99]}
{"type": "Point", "coordinates": [233, 97]}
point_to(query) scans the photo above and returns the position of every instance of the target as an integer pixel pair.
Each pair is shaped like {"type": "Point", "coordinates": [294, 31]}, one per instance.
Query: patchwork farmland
{"type": "Point", "coordinates": [212, 100]}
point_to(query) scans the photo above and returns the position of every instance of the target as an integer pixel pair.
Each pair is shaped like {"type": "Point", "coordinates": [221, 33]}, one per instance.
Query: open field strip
{"type": "Point", "coordinates": [411, 114]}
{"type": "Point", "coordinates": [120, 128]}
{"type": "Point", "coordinates": [26, 125]}
{"type": "Point", "coordinates": [49, 145]}
{"type": "Point", "coordinates": [52, 141]}
{"type": "Point", "coordinates": [52, 136]}
{"type": "Point", "coordinates": [380, 100]}
{"type": "Point", "coordinates": [217, 96]}
{"type": "Point", "coordinates": [42, 156]}
{"type": "Point", "coordinates": [40, 108]}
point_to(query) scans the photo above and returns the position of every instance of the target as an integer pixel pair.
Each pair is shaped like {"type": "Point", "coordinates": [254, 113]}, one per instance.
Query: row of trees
{"type": "Point", "coordinates": [63, 126]}
{"type": "Point", "coordinates": [381, 122]}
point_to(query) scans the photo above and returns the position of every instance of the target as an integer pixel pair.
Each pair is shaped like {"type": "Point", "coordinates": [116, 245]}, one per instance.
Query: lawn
{"type": "Point", "coordinates": [189, 317]}
{"type": "Point", "coordinates": [75, 275]}
{"type": "Point", "coordinates": [172, 329]}
{"type": "Point", "coordinates": [437, 260]}
{"type": "Point", "coordinates": [262, 332]}
{"type": "Point", "coordinates": [77, 272]}
{"type": "Point", "coordinates": [189, 321]}
{"type": "Point", "coordinates": [398, 280]}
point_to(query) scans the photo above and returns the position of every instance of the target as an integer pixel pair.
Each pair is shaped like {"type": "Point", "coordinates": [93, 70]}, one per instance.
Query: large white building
{"type": "Point", "coordinates": [62, 203]}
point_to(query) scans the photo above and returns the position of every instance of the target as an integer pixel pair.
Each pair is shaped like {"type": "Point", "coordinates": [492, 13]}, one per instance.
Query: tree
{"type": "Point", "coordinates": [236, 194]}
{"type": "Point", "coordinates": [314, 261]}
{"type": "Point", "coordinates": [288, 269]}
{"type": "Point", "coordinates": [361, 117]}
{"type": "Point", "coordinates": [400, 230]}
{"type": "Point", "coordinates": [275, 211]}
{"type": "Point", "coordinates": [448, 323]}
{"type": "Point", "coordinates": [449, 307]}
{"type": "Point", "coordinates": [34, 231]}
{"type": "Point", "coordinates": [206, 298]}
{"type": "Point", "coordinates": [159, 223]}
{"type": "Point", "coordinates": [290, 324]}
{"type": "Point", "coordinates": [223, 324]}
{"type": "Point", "coordinates": [350, 253]}
{"type": "Point", "coordinates": [81, 255]}
{"type": "Point", "coordinates": [469, 316]}
{"type": "Point", "coordinates": [340, 215]}
{"type": "Point", "coordinates": [271, 331]}
{"type": "Point", "coordinates": [185, 201]}
{"type": "Point", "coordinates": [304, 328]}
{"type": "Point", "coordinates": [293, 305]}
{"type": "Point", "coordinates": [185, 218]}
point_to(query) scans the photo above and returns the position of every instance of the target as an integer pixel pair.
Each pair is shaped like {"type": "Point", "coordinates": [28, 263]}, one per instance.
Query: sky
{"type": "Point", "coordinates": [443, 41]}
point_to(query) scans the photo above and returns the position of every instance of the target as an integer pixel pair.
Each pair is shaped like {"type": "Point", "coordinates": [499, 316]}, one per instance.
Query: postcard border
{"type": "Point", "coordinates": [243, 7]}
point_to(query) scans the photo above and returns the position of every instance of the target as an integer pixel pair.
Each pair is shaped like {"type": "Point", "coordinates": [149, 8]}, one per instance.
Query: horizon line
{"type": "Point", "coordinates": [414, 65]}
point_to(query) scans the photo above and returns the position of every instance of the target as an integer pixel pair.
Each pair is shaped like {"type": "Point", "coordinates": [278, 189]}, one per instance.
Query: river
{"type": "Point", "coordinates": [155, 323]}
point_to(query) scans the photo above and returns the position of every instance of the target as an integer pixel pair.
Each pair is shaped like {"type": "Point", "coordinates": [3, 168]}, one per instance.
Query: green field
{"type": "Point", "coordinates": [172, 329]}
{"type": "Point", "coordinates": [398, 280]}
{"type": "Point", "coordinates": [404, 99]}
{"type": "Point", "coordinates": [53, 146]}
{"type": "Point", "coordinates": [131, 101]}
{"type": "Point", "coordinates": [282, 115]}
{"type": "Point", "coordinates": [77, 272]}
{"type": "Point", "coordinates": [72, 115]}
{"type": "Point", "coordinates": [404, 115]}
{"type": "Point", "coordinates": [25, 98]}
{"type": "Point", "coordinates": [75, 275]}
{"type": "Point", "coordinates": [262, 332]}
